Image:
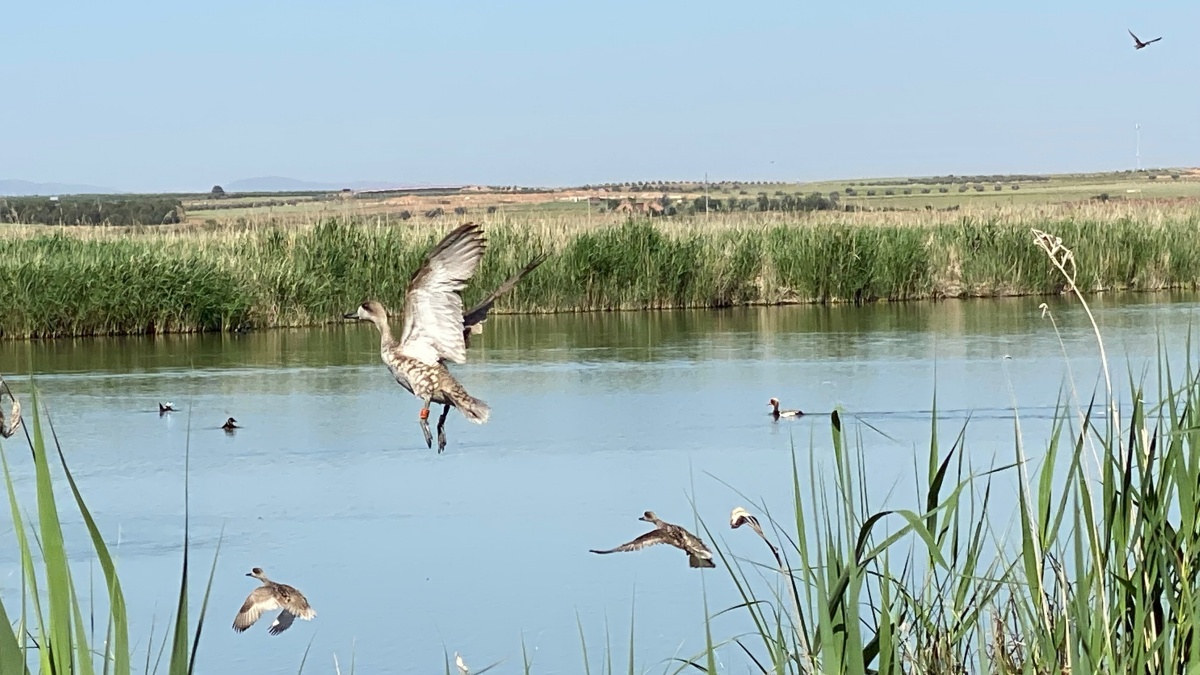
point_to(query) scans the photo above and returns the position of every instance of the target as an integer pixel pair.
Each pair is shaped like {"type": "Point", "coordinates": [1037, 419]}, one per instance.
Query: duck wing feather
{"type": "Point", "coordinates": [433, 306]}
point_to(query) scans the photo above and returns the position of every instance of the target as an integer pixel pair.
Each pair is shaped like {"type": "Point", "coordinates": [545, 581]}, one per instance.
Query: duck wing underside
{"type": "Point", "coordinates": [433, 307]}
{"type": "Point", "coordinates": [648, 539]}
{"type": "Point", "coordinates": [260, 600]}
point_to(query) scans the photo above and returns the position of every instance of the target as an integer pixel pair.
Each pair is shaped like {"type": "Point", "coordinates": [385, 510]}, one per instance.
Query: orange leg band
{"type": "Point", "coordinates": [424, 413]}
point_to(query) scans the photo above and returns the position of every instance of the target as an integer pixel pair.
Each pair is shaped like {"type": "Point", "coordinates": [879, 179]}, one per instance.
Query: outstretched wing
{"type": "Point", "coordinates": [648, 539]}
{"type": "Point", "coordinates": [433, 308]}
{"type": "Point", "coordinates": [472, 321]}
{"type": "Point", "coordinates": [282, 622]}
{"type": "Point", "coordinates": [1135, 38]}
{"type": "Point", "coordinates": [259, 601]}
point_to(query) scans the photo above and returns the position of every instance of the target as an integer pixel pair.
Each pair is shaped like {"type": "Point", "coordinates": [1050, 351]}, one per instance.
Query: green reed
{"type": "Point", "coordinates": [56, 636]}
{"type": "Point", "coordinates": [59, 282]}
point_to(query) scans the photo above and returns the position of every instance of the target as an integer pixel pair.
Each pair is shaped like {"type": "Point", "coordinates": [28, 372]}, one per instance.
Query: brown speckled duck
{"type": "Point", "coordinates": [436, 329]}
{"type": "Point", "coordinates": [777, 413]}
{"type": "Point", "coordinates": [668, 533]}
{"type": "Point", "coordinates": [271, 596]}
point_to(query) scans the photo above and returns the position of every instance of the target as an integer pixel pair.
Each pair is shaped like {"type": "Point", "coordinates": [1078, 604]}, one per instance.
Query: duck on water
{"type": "Point", "coordinates": [777, 413]}
{"type": "Point", "coordinates": [436, 329]}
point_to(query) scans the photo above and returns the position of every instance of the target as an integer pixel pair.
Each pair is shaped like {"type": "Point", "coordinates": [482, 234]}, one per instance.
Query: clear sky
{"type": "Point", "coordinates": [161, 96]}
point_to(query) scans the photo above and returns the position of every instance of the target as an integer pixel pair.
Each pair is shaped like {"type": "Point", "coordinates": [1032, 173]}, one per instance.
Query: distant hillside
{"type": "Point", "coordinates": [22, 188]}
{"type": "Point", "coordinates": [284, 184]}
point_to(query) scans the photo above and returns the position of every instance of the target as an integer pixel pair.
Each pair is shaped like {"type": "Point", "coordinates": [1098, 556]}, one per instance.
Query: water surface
{"type": "Point", "coordinates": [406, 554]}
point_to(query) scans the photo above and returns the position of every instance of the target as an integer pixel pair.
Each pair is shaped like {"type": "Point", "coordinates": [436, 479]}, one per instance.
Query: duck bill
{"type": "Point", "coordinates": [351, 315]}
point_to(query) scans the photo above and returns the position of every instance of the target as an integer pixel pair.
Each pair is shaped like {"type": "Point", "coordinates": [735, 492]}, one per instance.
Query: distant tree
{"type": "Point", "coordinates": [434, 213]}
{"type": "Point", "coordinates": [405, 215]}
{"type": "Point", "coordinates": [1152, 176]}
{"type": "Point", "coordinates": [460, 210]}
{"type": "Point", "coordinates": [1174, 176]}
{"type": "Point", "coordinates": [998, 187]}
{"type": "Point", "coordinates": [870, 193]}
{"type": "Point", "coordinates": [1016, 187]}
{"type": "Point", "coordinates": [908, 191]}
{"type": "Point", "coordinates": [492, 209]}
{"type": "Point", "coordinates": [943, 189]}
{"type": "Point", "coordinates": [889, 192]}
{"type": "Point", "coordinates": [925, 191]}
{"type": "Point", "coordinates": [217, 192]}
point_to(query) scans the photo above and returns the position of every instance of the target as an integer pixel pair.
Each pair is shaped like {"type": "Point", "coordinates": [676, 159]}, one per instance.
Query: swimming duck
{"type": "Point", "coordinates": [10, 424]}
{"type": "Point", "coordinates": [166, 408]}
{"type": "Point", "coordinates": [777, 413]}
{"type": "Point", "coordinates": [230, 425]}
{"type": "Point", "coordinates": [668, 533]}
{"type": "Point", "coordinates": [268, 597]}
{"type": "Point", "coordinates": [436, 329]}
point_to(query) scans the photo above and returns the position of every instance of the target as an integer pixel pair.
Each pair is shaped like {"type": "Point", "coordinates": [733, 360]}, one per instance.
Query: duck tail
{"type": "Point", "coordinates": [475, 410]}
{"type": "Point", "coordinates": [695, 561]}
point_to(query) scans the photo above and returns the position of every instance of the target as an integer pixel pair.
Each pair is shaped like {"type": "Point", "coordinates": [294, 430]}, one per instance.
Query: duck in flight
{"type": "Point", "coordinates": [269, 597]}
{"type": "Point", "coordinates": [436, 329]}
{"type": "Point", "coordinates": [1138, 44]}
{"type": "Point", "coordinates": [777, 413]}
{"type": "Point", "coordinates": [668, 533]}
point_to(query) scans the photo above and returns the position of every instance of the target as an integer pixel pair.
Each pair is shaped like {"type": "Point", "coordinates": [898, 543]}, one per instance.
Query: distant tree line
{"type": "Point", "coordinates": [952, 179]}
{"type": "Point", "coordinates": [91, 210]}
{"type": "Point", "coordinates": [780, 202]}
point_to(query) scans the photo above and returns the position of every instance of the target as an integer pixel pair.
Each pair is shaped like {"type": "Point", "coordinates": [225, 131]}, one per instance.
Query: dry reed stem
{"type": "Point", "coordinates": [1063, 258]}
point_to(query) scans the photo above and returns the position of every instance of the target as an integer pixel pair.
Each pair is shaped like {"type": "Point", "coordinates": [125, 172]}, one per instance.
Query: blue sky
{"type": "Point", "coordinates": [155, 96]}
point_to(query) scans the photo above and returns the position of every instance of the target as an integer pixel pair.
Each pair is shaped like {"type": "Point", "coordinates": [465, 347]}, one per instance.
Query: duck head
{"type": "Point", "coordinates": [368, 311]}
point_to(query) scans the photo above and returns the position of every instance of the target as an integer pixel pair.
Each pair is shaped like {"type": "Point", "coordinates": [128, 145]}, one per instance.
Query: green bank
{"type": "Point", "coordinates": [74, 283]}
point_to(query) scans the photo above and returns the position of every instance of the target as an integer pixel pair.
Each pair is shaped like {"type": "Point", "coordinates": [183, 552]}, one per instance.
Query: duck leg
{"type": "Point", "coordinates": [425, 424]}
{"type": "Point", "coordinates": [441, 427]}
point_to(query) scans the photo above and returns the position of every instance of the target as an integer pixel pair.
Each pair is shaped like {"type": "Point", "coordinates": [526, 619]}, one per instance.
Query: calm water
{"type": "Point", "coordinates": [406, 554]}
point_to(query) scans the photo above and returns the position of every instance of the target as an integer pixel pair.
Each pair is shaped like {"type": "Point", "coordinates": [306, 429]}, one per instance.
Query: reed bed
{"type": "Point", "coordinates": [1095, 571]}
{"type": "Point", "coordinates": [106, 281]}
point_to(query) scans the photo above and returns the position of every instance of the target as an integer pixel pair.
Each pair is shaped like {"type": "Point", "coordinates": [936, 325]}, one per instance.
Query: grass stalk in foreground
{"type": "Point", "coordinates": [1100, 577]}
{"type": "Point", "coordinates": [59, 642]}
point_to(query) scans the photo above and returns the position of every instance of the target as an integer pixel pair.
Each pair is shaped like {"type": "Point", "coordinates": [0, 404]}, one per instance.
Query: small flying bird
{"type": "Point", "coordinates": [668, 533]}
{"type": "Point", "coordinates": [462, 667]}
{"type": "Point", "coordinates": [230, 425]}
{"type": "Point", "coordinates": [777, 413]}
{"type": "Point", "coordinates": [1138, 44]}
{"type": "Point", "coordinates": [269, 597]}
{"type": "Point", "coordinates": [436, 329]}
